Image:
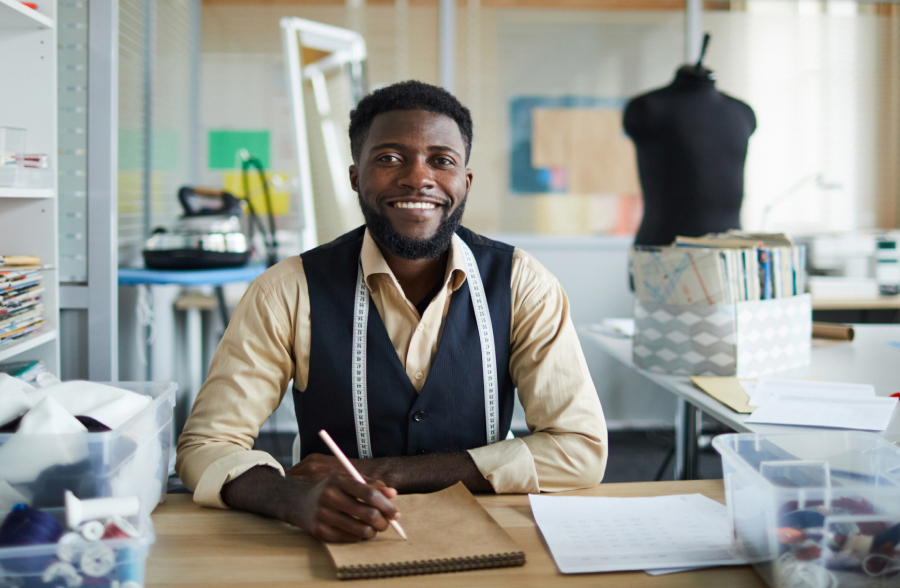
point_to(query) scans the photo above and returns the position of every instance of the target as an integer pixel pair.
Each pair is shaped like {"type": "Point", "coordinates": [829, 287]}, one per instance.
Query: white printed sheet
{"type": "Point", "coordinates": [587, 534]}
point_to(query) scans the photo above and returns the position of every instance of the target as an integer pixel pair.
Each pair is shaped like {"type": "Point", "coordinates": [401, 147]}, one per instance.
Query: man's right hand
{"type": "Point", "coordinates": [340, 509]}
{"type": "Point", "coordinates": [337, 509]}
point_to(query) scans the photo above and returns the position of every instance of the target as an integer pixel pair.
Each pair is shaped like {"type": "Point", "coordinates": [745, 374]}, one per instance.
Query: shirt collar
{"type": "Point", "coordinates": [373, 263]}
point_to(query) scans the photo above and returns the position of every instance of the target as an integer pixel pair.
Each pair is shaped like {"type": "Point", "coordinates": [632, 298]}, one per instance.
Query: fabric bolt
{"type": "Point", "coordinates": [267, 344]}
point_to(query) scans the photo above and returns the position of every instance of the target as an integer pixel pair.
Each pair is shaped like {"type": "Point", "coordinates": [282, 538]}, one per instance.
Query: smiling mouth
{"type": "Point", "coordinates": [415, 205]}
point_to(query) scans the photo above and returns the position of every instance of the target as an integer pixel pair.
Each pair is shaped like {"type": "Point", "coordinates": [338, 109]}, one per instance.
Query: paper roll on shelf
{"type": "Point", "coordinates": [832, 331]}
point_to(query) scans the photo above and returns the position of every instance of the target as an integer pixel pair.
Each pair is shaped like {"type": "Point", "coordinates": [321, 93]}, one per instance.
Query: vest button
{"type": "Point", "coordinates": [423, 452]}
{"type": "Point", "coordinates": [419, 416]}
{"type": "Point", "coordinates": [419, 375]}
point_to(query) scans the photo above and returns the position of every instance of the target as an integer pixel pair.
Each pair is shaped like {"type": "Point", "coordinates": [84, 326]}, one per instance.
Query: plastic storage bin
{"type": "Point", "coordinates": [12, 143]}
{"type": "Point", "coordinates": [816, 509]}
{"type": "Point", "coordinates": [132, 460]}
{"type": "Point", "coordinates": [109, 563]}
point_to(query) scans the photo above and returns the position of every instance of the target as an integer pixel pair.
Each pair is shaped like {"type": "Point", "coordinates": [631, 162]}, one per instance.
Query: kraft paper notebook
{"type": "Point", "coordinates": [448, 532]}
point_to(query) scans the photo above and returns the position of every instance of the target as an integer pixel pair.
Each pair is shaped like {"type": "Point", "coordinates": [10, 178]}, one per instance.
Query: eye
{"type": "Point", "coordinates": [388, 158]}
{"type": "Point", "coordinates": [444, 161]}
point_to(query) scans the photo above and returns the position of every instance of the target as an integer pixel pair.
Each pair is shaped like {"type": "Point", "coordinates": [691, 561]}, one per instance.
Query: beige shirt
{"type": "Point", "coordinates": [267, 344]}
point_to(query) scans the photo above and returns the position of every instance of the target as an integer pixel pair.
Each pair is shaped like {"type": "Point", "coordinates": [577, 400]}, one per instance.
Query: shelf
{"type": "Point", "coordinates": [27, 343]}
{"type": "Point", "coordinates": [26, 192]}
{"type": "Point", "coordinates": [879, 303]}
{"type": "Point", "coordinates": [15, 15]}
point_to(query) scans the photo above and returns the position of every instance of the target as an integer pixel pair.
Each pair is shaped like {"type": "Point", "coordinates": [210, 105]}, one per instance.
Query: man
{"type": "Point", "coordinates": [405, 340]}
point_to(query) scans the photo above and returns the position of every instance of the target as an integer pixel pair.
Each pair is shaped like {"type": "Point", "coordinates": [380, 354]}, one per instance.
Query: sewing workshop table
{"type": "Point", "coordinates": [206, 547]}
{"type": "Point", "coordinates": [193, 326]}
{"type": "Point", "coordinates": [881, 309]}
{"type": "Point", "coordinates": [868, 359]}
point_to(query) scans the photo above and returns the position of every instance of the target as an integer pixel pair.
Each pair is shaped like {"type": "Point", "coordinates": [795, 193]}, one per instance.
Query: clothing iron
{"type": "Point", "coordinates": [207, 236]}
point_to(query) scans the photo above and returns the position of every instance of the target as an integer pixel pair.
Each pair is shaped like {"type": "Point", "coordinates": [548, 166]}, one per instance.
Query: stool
{"type": "Point", "coordinates": [193, 303]}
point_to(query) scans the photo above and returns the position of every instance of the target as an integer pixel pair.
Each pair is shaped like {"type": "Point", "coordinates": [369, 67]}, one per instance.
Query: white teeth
{"type": "Point", "coordinates": [422, 205]}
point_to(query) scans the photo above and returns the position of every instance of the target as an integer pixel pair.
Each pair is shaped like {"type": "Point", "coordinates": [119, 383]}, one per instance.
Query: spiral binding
{"type": "Point", "coordinates": [432, 566]}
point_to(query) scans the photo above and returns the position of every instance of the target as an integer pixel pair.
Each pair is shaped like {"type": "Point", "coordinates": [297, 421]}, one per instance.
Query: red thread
{"type": "Point", "coordinates": [114, 532]}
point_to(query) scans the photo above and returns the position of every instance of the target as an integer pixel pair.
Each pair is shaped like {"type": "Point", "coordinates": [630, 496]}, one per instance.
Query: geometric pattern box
{"type": "Point", "coordinates": [745, 339]}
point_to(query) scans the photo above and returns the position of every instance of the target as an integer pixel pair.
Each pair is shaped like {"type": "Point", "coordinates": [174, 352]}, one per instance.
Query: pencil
{"type": "Point", "coordinates": [349, 467]}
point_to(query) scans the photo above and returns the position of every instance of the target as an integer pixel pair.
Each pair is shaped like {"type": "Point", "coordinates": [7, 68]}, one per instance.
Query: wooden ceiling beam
{"type": "Point", "coordinates": [627, 5]}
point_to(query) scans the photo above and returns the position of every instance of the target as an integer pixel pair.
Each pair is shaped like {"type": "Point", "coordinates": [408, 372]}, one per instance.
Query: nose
{"type": "Point", "coordinates": [416, 175]}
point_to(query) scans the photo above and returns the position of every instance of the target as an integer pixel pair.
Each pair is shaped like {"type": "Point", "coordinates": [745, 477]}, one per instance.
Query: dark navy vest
{"type": "Point", "coordinates": [448, 414]}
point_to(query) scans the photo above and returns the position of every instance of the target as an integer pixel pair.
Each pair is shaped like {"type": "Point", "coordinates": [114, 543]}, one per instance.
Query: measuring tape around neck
{"type": "Point", "coordinates": [485, 338]}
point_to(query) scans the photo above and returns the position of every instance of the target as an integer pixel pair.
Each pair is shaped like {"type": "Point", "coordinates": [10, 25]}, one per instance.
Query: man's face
{"type": "Point", "coordinates": [412, 182]}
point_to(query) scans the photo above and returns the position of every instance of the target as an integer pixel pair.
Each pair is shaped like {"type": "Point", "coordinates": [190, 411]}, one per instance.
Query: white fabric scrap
{"type": "Point", "coordinates": [47, 436]}
{"type": "Point", "coordinates": [49, 416]}
{"type": "Point", "coordinates": [9, 497]}
{"type": "Point", "coordinates": [111, 406]}
{"type": "Point", "coordinates": [14, 401]}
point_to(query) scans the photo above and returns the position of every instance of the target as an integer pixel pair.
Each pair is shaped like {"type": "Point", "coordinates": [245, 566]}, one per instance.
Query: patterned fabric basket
{"type": "Point", "coordinates": [746, 339]}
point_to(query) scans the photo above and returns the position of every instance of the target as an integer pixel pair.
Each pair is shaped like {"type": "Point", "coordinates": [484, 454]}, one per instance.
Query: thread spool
{"type": "Point", "coordinates": [98, 560]}
{"type": "Point", "coordinates": [70, 546]}
{"type": "Point", "coordinates": [78, 511]}
{"type": "Point", "coordinates": [29, 526]}
{"type": "Point", "coordinates": [129, 563]}
{"type": "Point", "coordinates": [64, 571]}
{"type": "Point", "coordinates": [91, 530]}
{"type": "Point", "coordinates": [119, 528]}
{"type": "Point", "coordinates": [878, 564]}
{"type": "Point", "coordinates": [793, 573]}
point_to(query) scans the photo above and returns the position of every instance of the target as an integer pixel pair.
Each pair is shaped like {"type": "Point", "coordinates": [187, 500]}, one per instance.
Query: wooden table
{"type": "Point", "coordinates": [205, 547]}
{"type": "Point", "coordinates": [868, 359]}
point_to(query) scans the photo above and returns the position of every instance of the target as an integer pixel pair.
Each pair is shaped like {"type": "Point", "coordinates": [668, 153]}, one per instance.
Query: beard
{"type": "Point", "coordinates": [409, 247]}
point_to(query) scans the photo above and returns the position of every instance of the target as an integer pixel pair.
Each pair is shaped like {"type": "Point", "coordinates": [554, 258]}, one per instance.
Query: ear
{"type": "Point", "coordinates": [468, 180]}
{"type": "Point", "coordinates": [354, 178]}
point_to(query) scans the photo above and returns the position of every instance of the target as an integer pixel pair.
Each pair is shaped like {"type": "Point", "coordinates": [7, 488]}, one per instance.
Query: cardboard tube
{"type": "Point", "coordinates": [832, 331]}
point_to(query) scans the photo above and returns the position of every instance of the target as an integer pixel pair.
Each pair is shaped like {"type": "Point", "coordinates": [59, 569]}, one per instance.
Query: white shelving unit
{"type": "Point", "coordinates": [28, 217]}
{"type": "Point", "coordinates": [15, 15]}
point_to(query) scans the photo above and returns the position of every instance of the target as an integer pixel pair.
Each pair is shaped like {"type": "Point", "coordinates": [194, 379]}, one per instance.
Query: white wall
{"type": "Point", "coordinates": [594, 273]}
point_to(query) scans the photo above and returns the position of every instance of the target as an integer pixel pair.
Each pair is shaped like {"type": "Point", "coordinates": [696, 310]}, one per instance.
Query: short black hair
{"type": "Point", "coordinates": [409, 95]}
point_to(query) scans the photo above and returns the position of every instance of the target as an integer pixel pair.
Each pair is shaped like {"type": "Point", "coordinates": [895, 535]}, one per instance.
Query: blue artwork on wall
{"type": "Point", "coordinates": [525, 179]}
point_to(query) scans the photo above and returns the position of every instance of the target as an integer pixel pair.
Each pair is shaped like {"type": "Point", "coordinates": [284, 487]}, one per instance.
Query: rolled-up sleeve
{"type": "Point", "coordinates": [248, 376]}
{"type": "Point", "coordinates": [567, 448]}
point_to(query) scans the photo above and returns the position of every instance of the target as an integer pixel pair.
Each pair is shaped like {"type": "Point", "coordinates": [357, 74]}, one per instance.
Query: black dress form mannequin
{"type": "Point", "coordinates": [691, 145]}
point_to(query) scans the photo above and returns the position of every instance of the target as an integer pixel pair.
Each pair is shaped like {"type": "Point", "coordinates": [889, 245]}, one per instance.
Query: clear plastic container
{"type": "Point", "coordinates": [108, 563]}
{"type": "Point", "coordinates": [132, 460]}
{"type": "Point", "coordinates": [818, 509]}
{"type": "Point", "coordinates": [12, 143]}
{"type": "Point", "coordinates": [25, 177]}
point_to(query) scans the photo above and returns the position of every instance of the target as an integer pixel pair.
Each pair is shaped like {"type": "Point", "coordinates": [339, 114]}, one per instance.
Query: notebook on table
{"type": "Point", "coordinates": [448, 531]}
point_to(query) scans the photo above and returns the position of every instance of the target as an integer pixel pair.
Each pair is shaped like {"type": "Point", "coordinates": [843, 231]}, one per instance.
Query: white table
{"type": "Point", "coordinates": [868, 359]}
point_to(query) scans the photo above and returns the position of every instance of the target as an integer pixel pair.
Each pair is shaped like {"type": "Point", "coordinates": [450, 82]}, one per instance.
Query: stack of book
{"type": "Point", "coordinates": [27, 371]}
{"type": "Point", "coordinates": [21, 302]}
{"type": "Point", "coordinates": [720, 269]}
